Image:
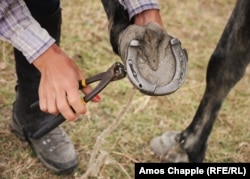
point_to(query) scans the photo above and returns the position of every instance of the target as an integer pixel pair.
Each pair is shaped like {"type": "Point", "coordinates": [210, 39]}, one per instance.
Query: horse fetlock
{"type": "Point", "coordinates": [168, 147]}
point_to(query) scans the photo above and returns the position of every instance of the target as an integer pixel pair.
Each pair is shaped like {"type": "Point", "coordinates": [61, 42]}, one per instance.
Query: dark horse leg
{"type": "Point", "coordinates": [118, 20]}
{"type": "Point", "coordinates": [226, 67]}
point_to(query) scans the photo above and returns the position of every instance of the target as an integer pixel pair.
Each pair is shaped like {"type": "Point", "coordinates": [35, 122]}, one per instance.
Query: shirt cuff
{"type": "Point", "coordinates": [32, 41]}
{"type": "Point", "coordinates": [138, 6]}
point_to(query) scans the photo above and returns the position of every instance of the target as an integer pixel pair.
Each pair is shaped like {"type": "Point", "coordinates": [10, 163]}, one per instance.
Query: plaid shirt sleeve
{"type": "Point", "coordinates": [19, 28]}
{"type": "Point", "coordinates": [137, 6]}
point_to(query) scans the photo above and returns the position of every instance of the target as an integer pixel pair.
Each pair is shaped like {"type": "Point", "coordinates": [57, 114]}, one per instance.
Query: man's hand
{"type": "Point", "coordinates": [147, 17]}
{"type": "Point", "coordinates": [59, 90]}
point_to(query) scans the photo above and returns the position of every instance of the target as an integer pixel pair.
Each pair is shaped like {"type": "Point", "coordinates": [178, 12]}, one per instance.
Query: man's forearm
{"type": "Point", "coordinates": [19, 28]}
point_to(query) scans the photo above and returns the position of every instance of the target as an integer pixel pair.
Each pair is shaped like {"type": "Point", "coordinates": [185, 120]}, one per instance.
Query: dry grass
{"type": "Point", "coordinates": [199, 24]}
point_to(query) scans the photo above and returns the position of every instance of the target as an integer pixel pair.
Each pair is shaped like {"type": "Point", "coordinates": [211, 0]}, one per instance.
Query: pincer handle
{"type": "Point", "coordinates": [115, 72]}
{"type": "Point", "coordinates": [49, 126]}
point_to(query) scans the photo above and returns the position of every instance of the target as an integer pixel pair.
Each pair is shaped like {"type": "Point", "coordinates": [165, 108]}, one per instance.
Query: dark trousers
{"type": "Point", "coordinates": [42, 8]}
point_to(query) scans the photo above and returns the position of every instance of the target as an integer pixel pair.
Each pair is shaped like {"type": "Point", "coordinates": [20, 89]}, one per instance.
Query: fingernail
{"type": "Point", "coordinates": [97, 97]}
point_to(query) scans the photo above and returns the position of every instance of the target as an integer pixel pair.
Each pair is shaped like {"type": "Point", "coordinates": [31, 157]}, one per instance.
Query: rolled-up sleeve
{"type": "Point", "coordinates": [137, 6]}
{"type": "Point", "coordinates": [19, 28]}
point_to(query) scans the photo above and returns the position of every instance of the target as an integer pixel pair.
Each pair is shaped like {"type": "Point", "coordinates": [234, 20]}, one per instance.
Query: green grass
{"type": "Point", "coordinates": [198, 24]}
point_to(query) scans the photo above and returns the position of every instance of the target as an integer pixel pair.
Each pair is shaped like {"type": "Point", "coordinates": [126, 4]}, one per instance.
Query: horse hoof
{"type": "Point", "coordinates": [168, 147]}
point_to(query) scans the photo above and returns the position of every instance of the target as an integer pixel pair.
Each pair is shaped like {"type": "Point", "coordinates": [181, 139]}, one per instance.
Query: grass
{"type": "Point", "coordinates": [198, 24]}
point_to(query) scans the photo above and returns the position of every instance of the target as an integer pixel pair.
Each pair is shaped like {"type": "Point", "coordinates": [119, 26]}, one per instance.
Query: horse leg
{"type": "Point", "coordinates": [226, 67]}
{"type": "Point", "coordinates": [118, 20]}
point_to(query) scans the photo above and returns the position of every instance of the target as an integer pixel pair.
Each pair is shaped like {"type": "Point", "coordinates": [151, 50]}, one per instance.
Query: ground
{"type": "Point", "coordinates": [198, 24]}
